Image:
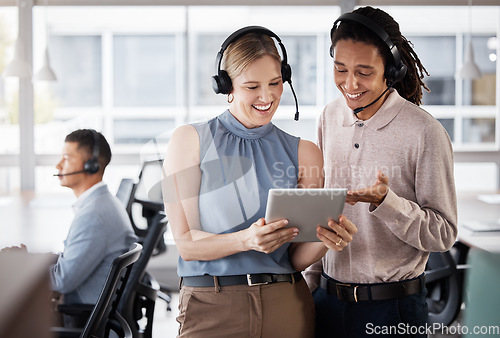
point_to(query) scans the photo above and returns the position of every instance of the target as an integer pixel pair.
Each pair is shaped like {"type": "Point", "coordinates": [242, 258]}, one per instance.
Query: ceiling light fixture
{"type": "Point", "coordinates": [469, 70]}
{"type": "Point", "coordinates": [46, 73]}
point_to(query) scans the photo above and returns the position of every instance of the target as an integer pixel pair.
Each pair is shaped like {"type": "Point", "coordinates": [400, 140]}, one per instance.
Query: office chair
{"type": "Point", "coordinates": [145, 194]}
{"type": "Point", "coordinates": [145, 197]}
{"type": "Point", "coordinates": [104, 316]}
{"type": "Point", "coordinates": [444, 280]}
{"type": "Point", "coordinates": [144, 202]}
{"type": "Point", "coordinates": [139, 296]}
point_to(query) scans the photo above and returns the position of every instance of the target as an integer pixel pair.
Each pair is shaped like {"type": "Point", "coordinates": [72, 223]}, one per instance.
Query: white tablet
{"type": "Point", "coordinates": [305, 209]}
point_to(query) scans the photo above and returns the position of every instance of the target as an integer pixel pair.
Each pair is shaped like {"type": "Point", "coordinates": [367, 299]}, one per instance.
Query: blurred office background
{"type": "Point", "coordinates": [137, 69]}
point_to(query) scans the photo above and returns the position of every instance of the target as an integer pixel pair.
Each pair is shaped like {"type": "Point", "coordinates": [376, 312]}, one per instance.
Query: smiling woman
{"type": "Point", "coordinates": [218, 174]}
{"type": "Point", "coordinates": [257, 92]}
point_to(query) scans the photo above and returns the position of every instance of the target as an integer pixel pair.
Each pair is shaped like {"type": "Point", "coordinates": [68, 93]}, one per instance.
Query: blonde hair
{"type": "Point", "coordinates": [242, 52]}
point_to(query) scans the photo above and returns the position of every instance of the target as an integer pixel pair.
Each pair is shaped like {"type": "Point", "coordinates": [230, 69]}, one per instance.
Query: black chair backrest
{"type": "Point", "coordinates": [149, 183]}
{"type": "Point", "coordinates": [116, 281]}
{"type": "Point", "coordinates": [146, 193]}
{"type": "Point", "coordinates": [125, 190]}
{"type": "Point", "coordinates": [138, 295]}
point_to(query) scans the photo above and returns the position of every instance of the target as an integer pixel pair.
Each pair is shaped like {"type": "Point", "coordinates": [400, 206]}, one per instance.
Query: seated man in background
{"type": "Point", "coordinates": [101, 229]}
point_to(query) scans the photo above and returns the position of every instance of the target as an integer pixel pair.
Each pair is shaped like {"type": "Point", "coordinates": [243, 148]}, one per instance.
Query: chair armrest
{"type": "Point", "coordinates": [75, 309]}
{"type": "Point", "coordinates": [147, 291]}
{"type": "Point", "coordinates": [75, 315]}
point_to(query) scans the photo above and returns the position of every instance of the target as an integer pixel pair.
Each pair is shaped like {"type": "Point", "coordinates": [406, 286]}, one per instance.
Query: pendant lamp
{"type": "Point", "coordinates": [469, 70]}
{"type": "Point", "coordinates": [46, 73]}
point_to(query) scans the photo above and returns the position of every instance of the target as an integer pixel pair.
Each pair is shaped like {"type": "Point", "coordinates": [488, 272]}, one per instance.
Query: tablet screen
{"type": "Point", "coordinates": [305, 209]}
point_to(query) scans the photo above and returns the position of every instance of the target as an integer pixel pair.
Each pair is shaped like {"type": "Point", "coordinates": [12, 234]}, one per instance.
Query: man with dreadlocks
{"type": "Point", "coordinates": [378, 133]}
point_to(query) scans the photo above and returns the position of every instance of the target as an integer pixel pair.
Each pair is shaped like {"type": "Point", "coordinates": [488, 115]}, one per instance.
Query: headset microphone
{"type": "Point", "coordinates": [296, 118]}
{"type": "Point", "coordinates": [73, 173]}
{"type": "Point", "coordinates": [360, 109]}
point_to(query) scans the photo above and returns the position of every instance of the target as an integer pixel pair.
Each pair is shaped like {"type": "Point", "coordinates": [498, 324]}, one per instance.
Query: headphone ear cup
{"type": "Point", "coordinates": [91, 166]}
{"type": "Point", "coordinates": [389, 73]}
{"type": "Point", "coordinates": [216, 84]}
{"type": "Point", "coordinates": [286, 72]}
{"type": "Point", "coordinates": [221, 83]}
{"type": "Point", "coordinates": [395, 74]}
{"type": "Point", "coordinates": [400, 72]}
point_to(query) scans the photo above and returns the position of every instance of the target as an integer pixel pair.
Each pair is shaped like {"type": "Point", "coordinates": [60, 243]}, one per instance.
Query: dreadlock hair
{"type": "Point", "coordinates": [410, 87]}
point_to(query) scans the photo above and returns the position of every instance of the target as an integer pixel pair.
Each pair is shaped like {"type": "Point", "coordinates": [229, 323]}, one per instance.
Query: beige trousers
{"type": "Point", "coordinates": [267, 311]}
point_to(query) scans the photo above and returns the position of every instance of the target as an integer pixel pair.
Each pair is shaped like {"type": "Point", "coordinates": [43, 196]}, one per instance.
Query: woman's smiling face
{"type": "Point", "coordinates": [257, 92]}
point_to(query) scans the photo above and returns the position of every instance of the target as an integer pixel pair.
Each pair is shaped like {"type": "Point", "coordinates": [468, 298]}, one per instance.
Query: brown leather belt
{"type": "Point", "coordinates": [249, 279]}
{"type": "Point", "coordinates": [367, 292]}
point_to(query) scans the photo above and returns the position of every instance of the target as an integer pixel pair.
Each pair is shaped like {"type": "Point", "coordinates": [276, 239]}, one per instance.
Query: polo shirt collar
{"type": "Point", "coordinates": [386, 113]}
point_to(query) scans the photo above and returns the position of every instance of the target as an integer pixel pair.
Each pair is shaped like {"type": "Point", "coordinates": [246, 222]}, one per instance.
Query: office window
{"type": "Point", "coordinates": [479, 130]}
{"type": "Point", "coordinates": [440, 66]}
{"type": "Point", "coordinates": [476, 127]}
{"type": "Point", "coordinates": [301, 53]}
{"type": "Point", "coordinates": [76, 59]}
{"type": "Point", "coordinates": [9, 121]}
{"type": "Point", "coordinates": [481, 92]}
{"type": "Point", "coordinates": [144, 70]}
{"type": "Point", "coordinates": [205, 51]}
{"type": "Point", "coordinates": [331, 91]}
{"type": "Point", "coordinates": [140, 131]}
{"type": "Point", "coordinates": [9, 88]}
{"type": "Point", "coordinates": [135, 72]}
{"type": "Point", "coordinates": [9, 179]}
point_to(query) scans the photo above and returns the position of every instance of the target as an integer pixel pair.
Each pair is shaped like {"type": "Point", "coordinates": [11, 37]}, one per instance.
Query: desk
{"type": "Point", "coordinates": [470, 208]}
{"type": "Point", "coordinates": [25, 295]}
{"type": "Point", "coordinates": [41, 222]}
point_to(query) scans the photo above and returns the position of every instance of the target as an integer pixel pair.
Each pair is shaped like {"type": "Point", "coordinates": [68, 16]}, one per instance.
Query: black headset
{"type": "Point", "coordinates": [393, 72]}
{"type": "Point", "coordinates": [92, 166]}
{"type": "Point", "coordinates": [221, 83]}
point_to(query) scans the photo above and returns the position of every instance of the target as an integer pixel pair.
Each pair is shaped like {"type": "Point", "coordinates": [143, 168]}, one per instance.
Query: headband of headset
{"type": "Point", "coordinates": [394, 72]}
{"type": "Point", "coordinates": [221, 82]}
{"type": "Point", "coordinates": [92, 166]}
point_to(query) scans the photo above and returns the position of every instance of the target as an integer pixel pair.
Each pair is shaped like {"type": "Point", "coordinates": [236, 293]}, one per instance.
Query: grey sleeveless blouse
{"type": "Point", "coordinates": [238, 167]}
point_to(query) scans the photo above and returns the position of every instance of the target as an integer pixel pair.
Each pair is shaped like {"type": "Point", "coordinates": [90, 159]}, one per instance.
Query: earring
{"type": "Point", "coordinates": [230, 98]}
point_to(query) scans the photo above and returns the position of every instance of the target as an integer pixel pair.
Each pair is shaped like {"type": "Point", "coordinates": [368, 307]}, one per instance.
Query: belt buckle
{"type": "Point", "coordinates": [355, 291]}
{"type": "Point", "coordinates": [250, 283]}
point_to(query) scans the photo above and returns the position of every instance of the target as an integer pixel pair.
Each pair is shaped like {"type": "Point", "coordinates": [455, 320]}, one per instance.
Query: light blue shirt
{"type": "Point", "coordinates": [100, 231]}
{"type": "Point", "coordinates": [238, 167]}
